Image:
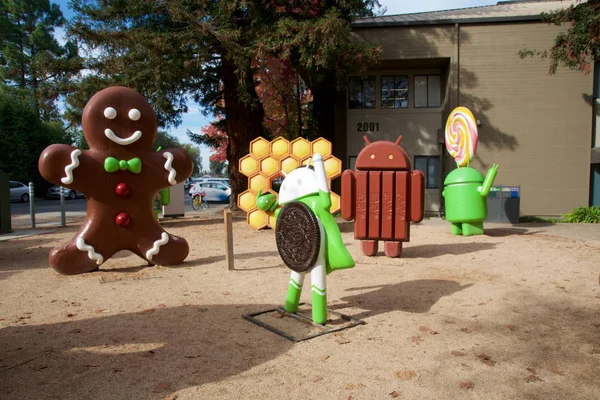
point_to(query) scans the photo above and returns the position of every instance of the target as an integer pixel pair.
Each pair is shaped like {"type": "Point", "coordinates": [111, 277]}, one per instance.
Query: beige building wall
{"type": "Point", "coordinates": [537, 127]}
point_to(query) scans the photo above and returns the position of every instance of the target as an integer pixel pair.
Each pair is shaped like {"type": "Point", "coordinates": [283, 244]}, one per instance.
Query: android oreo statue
{"type": "Point", "coordinates": [465, 188]}
{"type": "Point", "coordinates": [307, 236]}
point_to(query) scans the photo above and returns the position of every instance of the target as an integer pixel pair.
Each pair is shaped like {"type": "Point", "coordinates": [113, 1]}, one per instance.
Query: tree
{"type": "Point", "coordinates": [194, 153]}
{"type": "Point", "coordinates": [165, 140]}
{"type": "Point", "coordinates": [283, 96]}
{"type": "Point", "coordinates": [214, 136]}
{"type": "Point", "coordinates": [579, 46]}
{"type": "Point", "coordinates": [173, 51]}
{"type": "Point", "coordinates": [23, 136]}
{"type": "Point", "coordinates": [216, 167]}
{"type": "Point", "coordinates": [30, 57]}
{"type": "Point", "coordinates": [315, 38]}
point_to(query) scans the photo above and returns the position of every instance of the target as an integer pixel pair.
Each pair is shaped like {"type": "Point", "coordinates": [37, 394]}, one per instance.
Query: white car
{"type": "Point", "coordinates": [215, 191]}
{"type": "Point", "coordinates": [19, 192]}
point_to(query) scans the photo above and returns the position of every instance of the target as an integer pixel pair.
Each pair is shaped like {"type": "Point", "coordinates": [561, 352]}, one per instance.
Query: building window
{"type": "Point", "coordinates": [430, 165]}
{"type": "Point", "coordinates": [361, 92]}
{"type": "Point", "coordinates": [394, 91]}
{"type": "Point", "coordinates": [428, 91]}
{"type": "Point", "coordinates": [352, 162]}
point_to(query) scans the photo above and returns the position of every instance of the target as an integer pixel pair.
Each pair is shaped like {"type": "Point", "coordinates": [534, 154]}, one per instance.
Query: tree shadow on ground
{"type": "Point", "coordinates": [412, 296]}
{"type": "Point", "coordinates": [147, 354]}
{"type": "Point", "coordinates": [435, 250]}
{"type": "Point", "coordinates": [503, 232]}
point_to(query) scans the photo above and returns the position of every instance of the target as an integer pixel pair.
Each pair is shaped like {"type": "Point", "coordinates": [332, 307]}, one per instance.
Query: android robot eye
{"type": "Point", "coordinates": [391, 156]}
{"type": "Point", "coordinates": [372, 156]}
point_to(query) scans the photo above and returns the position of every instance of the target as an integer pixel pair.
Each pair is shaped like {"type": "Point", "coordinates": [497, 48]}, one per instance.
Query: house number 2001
{"type": "Point", "coordinates": [367, 126]}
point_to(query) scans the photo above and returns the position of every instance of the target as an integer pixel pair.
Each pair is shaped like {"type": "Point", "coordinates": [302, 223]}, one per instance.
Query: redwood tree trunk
{"type": "Point", "coordinates": [243, 124]}
{"type": "Point", "coordinates": [324, 97]}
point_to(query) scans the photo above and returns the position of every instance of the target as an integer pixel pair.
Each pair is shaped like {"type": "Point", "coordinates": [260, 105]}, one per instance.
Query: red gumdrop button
{"type": "Point", "coordinates": [123, 219]}
{"type": "Point", "coordinates": [122, 189]}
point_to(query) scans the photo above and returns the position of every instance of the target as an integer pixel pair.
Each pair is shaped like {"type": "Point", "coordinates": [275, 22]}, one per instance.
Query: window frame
{"type": "Point", "coordinates": [381, 98]}
{"type": "Point", "coordinates": [426, 90]}
{"type": "Point", "coordinates": [362, 79]}
{"type": "Point", "coordinates": [426, 173]}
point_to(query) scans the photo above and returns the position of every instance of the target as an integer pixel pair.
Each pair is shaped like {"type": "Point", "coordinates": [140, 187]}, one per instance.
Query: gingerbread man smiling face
{"type": "Point", "coordinates": [120, 175]}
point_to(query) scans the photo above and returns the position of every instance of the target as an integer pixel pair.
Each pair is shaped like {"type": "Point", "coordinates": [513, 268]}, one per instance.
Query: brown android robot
{"type": "Point", "coordinates": [382, 196]}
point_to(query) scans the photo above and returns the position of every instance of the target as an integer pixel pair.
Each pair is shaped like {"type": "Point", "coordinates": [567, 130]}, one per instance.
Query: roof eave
{"type": "Point", "coordinates": [448, 21]}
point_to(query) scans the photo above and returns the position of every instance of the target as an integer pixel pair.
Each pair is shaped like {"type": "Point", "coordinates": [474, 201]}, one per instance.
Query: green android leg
{"type": "Point", "coordinates": [472, 228]}
{"type": "Point", "coordinates": [456, 228]}
{"type": "Point", "coordinates": [319, 292]}
{"type": "Point", "coordinates": [294, 291]}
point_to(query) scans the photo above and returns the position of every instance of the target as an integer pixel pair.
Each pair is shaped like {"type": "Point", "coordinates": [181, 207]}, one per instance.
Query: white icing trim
{"type": "Point", "coordinates": [164, 238]}
{"type": "Point", "coordinates": [68, 179]}
{"type": "Point", "coordinates": [123, 142]}
{"type": "Point", "coordinates": [81, 245]}
{"type": "Point", "coordinates": [169, 167]}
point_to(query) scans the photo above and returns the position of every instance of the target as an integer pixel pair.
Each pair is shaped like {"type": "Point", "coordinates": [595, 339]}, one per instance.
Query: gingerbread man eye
{"type": "Point", "coordinates": [110, 113]}
{"type": "Point", "coordinates": [134, 114]}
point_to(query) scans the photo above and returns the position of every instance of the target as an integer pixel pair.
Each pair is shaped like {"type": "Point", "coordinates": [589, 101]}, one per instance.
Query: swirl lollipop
{"type": "Point", "coordinates": [461, 135]}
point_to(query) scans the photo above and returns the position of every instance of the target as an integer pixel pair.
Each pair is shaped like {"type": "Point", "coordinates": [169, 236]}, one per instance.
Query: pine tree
{"type": "Point", "coordinates": [173, 51]}
{"type": "Point", "coordinates": [30, 56]}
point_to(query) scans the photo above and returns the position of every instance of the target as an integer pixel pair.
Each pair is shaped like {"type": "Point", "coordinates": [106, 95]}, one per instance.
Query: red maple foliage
{"type": "Point", "coordinates": [215, 137]}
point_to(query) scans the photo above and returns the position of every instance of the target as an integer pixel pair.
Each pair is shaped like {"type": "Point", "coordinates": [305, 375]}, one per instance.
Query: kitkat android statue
{"type": "Point", "coordinates": [465, 188]}
{"type": "Point", "coordinates": [307, 236]}
{"type": "Point", "coordinates": [383, 196]}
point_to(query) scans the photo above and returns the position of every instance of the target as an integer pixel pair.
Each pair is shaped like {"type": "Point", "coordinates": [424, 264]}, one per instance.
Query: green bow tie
{"type": "Point", "coordinates": [134, 165]}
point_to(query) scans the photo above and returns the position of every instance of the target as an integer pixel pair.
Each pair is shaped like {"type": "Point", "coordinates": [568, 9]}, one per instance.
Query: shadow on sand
{"type": "Point", "coordinates": [412, 296]}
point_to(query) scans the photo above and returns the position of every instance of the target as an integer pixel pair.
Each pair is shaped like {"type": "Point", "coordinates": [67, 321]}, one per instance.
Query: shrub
{"type": "Point", "coordinates": [583, 215]}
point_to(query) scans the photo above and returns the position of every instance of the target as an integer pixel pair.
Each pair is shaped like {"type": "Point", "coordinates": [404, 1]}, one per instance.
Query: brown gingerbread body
{"type": "Point", "coordinates": [382, 197]}
{"type": "Point", "coordinates": [120, 176]}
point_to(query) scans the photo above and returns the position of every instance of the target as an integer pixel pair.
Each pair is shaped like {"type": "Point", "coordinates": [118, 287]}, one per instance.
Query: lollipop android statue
{"type": "Point", "coordinates": [307, 236]}
{"type": "Point", "coordinates": [465, 188]}
{"type": "Point", "coordinates": [382, 197]}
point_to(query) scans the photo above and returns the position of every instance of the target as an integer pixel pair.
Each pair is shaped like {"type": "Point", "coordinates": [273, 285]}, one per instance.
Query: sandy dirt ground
{"type": "Point", "coordinates": [513, 314]}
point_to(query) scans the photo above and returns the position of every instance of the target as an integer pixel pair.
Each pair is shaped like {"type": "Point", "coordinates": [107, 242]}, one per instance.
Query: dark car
{"type": "Point", "coordinates": [54, 193]}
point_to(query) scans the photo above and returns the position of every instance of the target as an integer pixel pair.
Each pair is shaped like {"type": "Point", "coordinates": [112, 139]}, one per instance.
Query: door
{"type": "Point", "coordinates": [595, 185]}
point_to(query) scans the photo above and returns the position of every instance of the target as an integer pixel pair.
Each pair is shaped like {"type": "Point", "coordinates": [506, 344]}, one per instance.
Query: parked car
{"type": "Point", "coordinates": [215, 191]}
{"type": "Point", "coordinates": [19, 191]}
{"type": "Point", "coordinates": [54, 193]}
{"type": "Point", "coordinates": [196, 181]}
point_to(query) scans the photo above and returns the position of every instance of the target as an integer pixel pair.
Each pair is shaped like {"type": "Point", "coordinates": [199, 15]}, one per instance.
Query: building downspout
{"type": "Point", "coordinates": [456, 102]}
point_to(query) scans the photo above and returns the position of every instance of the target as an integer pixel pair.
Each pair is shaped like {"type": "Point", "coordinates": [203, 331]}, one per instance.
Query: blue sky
{"type": "Point", "coordinates": [194, 120]}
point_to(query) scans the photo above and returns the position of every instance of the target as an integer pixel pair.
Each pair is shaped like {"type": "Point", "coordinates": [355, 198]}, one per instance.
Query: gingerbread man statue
{"type": "Point", "coordinates": [120, 176]}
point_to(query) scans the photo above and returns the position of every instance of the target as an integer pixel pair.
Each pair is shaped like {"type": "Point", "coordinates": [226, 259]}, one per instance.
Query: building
{"type": "Point", "coordinates": [537, 127]}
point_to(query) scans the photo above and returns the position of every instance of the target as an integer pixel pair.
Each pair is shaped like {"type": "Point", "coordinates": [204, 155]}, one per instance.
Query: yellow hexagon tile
{"type": "Point", "coordinates": [300, 148]}
{"type": "Point", "coordinates": [289, 164]}
{"type": "Point", "coordinates": [272, 221]}
{"type": "Point", "coordinates": [306, 160]}
{"type": "Point", "coordinates": [280, 147]}
{"type": "Point", "coordinates": [335, 203]}
{"type": "Point", "coordinates": [333, 167]}
{"type": "Point", "coordinates": [247, 200]}
{"type": "Point", "coordinates": [269, 166]}
{"type": "Point", "coordinates": [259, 147]}
{"type": "Point", "coordinates": [248, 165]}
{"type": "Point", "coordinates": [257, 219]}
{"type": "Point", "coordinates": [322, 146]}
{"type": "Point", "coordinates": [258, 182]}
